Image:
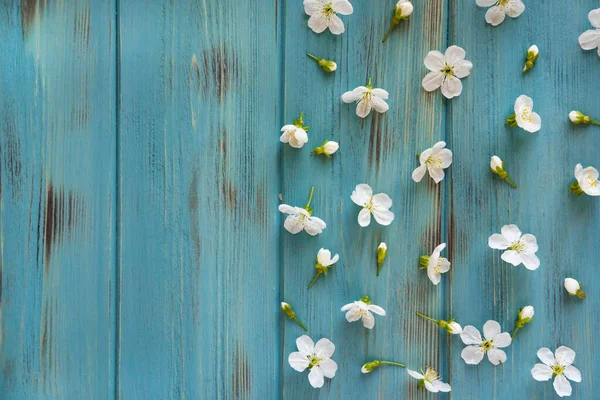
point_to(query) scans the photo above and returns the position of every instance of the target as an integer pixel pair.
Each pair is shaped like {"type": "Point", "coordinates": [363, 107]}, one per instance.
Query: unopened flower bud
{"type": "Point", "coordinates": [526, 313]}
{"type": "Point", "coordinates": [403, 9]}
{"type": "Point", "coordinates": [532, 55]}
{"type": "Point", "coordinates": [370, 366]}
{"type": "Point", "coordinates": [327, 65]}
{"type": "Point", "coordinates": [497, 167]}
{"type": "Point", "coordinates": [577, 117]}
{"type": "Point", "coordinates": [289, 312]}
{"type": "Point", "coordinates": [327, 148]}
{"type": "Point", "coordinates": [574, 288]}
{"type": "Point", "coordinates": [381, 255]}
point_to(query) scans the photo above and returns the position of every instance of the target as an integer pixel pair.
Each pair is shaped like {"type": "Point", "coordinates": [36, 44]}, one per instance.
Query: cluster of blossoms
{"type": "Point", "coordinates": [445, 73]}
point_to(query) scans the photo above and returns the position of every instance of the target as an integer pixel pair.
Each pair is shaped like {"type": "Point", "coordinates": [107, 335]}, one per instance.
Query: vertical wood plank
{"type": "Point", "coordinates": [57, 198]}
{"type": "Point", "coordinates": [198, 222]}
{"type": "Point", "coordinates": [567, 227]}
{"type": "Point", "coordinates": [381, 151]}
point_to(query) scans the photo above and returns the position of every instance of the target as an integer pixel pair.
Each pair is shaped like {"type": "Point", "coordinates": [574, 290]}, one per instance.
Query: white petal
{"type": "Point", "coordinates": [305, 344]}
{"type": "Point", "coordinates": [368, 320]}
{"type": "Point", "coordinates": [383, 217]}
{"type": "Point", "coordinates": [486, 3]}
{"type": "Point", "coordinates": [336, 26]}
{"type": "Point", "coordinates": [470, 335]}
{"type": "Point", "coordinates": [353, 315]}
{"type": "Point", "coordinates": [433, 276]}
{"type": "Point", "coordinates": [354, 95]}
{"type": "Point", "coordinates": [446, 156]}
{"type": "Point", "coordinates": [530, 242]}
{"type": "Point", "coordinates": [324, 348]}
{"type": "Point", "coordinates": [578, 172]}
{"type": "Point", "coordinates": [451, 87]}
{"type": "Point", "coordinates": [301, 136]}
{"type": "Point", "coordinates": [381, 93]}
{"type": "Point", "coordinates": [472, 355]}
{"type": "Point", "coordinates": [298, 361]}
{"type": "Point", "coordinates": [334, 259]}
{"type": "Point", "coordinates": [531, 126]}
{"type": "Point", "coordinates": [316, 377]}
{"type": "Point", "coordinates": [438, 250]}
{"type": "Point", "coordinates": [317, 22]}
{"type": "Point", "coordinates": [497, 241]}
{"type": "Point", "coordinates": [572, 373]}
{"type": "Point", "coordinates": [363, 108]}
{"type": "Point", "coordinates": [546, 356]}
{"type": "Point", "coordinates": [434, 61]}
{"type": "Point", "coordinates": [594, 17]}
{"type": "Point", "coordinates": [511, 232]}
{"type": "Point", "coordinates": [443, 265]}
{"type": "Point", "coordinates": [414, 374]}
{"type": "Point", "coordinates": [463, 69]}
{"type": "Point", "coordinates": [293, 224]}
{"type": "Point", "coordinates": [436, 173]}
{"type": "Point", "coordinates": [441, 386]}
{"type": "Point", "coordinates": [541, 372]}
{"type": "Point", "coordinates": [382, 200]}
{"type": "Point", "coordinates": [380, 105]}
{"type": "Point", "coordinates": [530, 261]}
{"type": "Point", "coordinates": [502, 340]}
{"type": "Point", "coordinates": [285, 137]}
{"type": "Point", "coordinates": [342, 7]}
{"type": "Point", "coordinates": [496, 356]}
{"type": "Point", "coordinates": [454, 54]}
{"type": "Point", "coordinates": [324, 257]}
{"type": "Point", "coordinates": [522, 102]}
{"type": "Point", "coordinates": [512, 257]}
{"type": "Point", "coordinates": [491, 329]}
{"type": "Point", "coordinates": [312, 6]}
{"type": "Point", "coordinates": [314, 226]}
{"type": "Point", "coordinates": [562, 386]}
{"type": "Point", "coordinates": [514, 8]}
{"type": "Point", "coordinates": [419, 173]}
{"type": "Point", "coordinates": [564, 355]}
{"type": "Point", "coordinates": [284, 208]}
{"type": "Point", "coordinates": [495, 16]}
{"type": "Point", "coordinates": [429, 386]}
{"type": "Point", "coordinates": [433, 81]}
{"type": "Point", "coordinates": [364, 217]}
{"type": "Point", "coordinates": [376, 309]}
{"type": "Point", "coordinates": [361, 194]}
{"type": "Point", "coordinates": [348, 306]}
{"type": "Point", "coordinates": [328, 367]}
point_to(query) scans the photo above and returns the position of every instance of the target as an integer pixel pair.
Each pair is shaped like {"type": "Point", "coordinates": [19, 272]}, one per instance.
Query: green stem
{"type": "Point", "coordinates": [388, 32]}
{"type": "Point", "coordinates": [300, 323]}
{"type": "Point", "coordinates": [426, 317]}
{"type": "Point", "coordinates": [379, 268]}
{"type": "Point", "coordinates": [312, 191]}
{"type": "Point", "coordinates": [314, 279]}
{"type": "Point", "coordinates": [593, 121]}
{"type": "Point", "coordinates": [515, 332]}
{"type": "Point", "coordinates": [393, 363]}
{"type": "Point", "coordinates": [313, 57]}
{"type": "Point", "coordinates": [510, 182]}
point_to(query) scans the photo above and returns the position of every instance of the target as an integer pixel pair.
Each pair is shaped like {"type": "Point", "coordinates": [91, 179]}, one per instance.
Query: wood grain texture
{"type": "Point", "coordinates": [198, 222]}
{"type": "Point", "coordinates": [57, 198]}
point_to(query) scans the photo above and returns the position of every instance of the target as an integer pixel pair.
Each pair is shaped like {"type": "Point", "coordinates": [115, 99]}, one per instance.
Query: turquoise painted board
{"type": "Point", "coordinates": [57, 200]}
{"type": "Point", "coordinates": [142, 255]}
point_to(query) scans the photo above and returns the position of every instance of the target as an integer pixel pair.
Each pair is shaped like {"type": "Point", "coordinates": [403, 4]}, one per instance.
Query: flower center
{"type": "Point", "coordinates": [437, 269]}
{"type": "Point", "coordinates": [434, 162]}
{"type": "Point", "coordinates": [526, 114]}
{"type": "Point", "coordinates": [328, 9]}
{"type": "Point", "coordinates": [430, 375]}
{"type": "Point", "coordinates": [487, 345]}
{"type": "Point", "coordinates": [557, 370]}
{"type": "Point", "coordinates": [369, 205]}
{"type": "Point", "coordinates": [517, 246]}
{"type": "Point", "coordinates": [314, 361]}
{"type": "Point", "coordinates": [592, 181]}
{"type": "Point", "coordinates": [447, 70]}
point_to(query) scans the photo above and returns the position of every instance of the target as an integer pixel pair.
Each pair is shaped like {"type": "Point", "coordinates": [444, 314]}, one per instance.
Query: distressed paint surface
{"type": "Point", "coordinates": [141, 251]}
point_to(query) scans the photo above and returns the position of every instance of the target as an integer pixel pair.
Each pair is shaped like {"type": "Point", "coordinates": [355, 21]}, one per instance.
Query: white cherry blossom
{"type": "Point", "coordinates": [433, 160]}
{"type": "Point", "coordinates": [519, 248]}
{"type": "Point", "coordinates": [500, 9]}
{"type": "Point", "coordinates": [590, 40]}
{"type": "Point", "coordinates": [378, 205]}
{"type": "Point", "coordinates": [446, 71]}
{"type": "Point", "coordinates": [491, 344]}
{"type": "Point", "coordinates": [362, 309]}
{"type": "Point", "coordinates": [323, 14]}
{"type": "Point", "coordinates": [524, 116]}
{"type": "Point", "coordinates": [587, 181]}
{"type": "Point", "coordinates": [435, 265]}
{"type": "Point", "coordinates": [558, 365]}
{"type": "Point", "coordinates": [315, 357]}
{"type": "Point", "coordinates": [367, 98]}
{"type": "Point", "coordinates": [299, 219]}
{"type": "Point", "coordinates": [430, 379]}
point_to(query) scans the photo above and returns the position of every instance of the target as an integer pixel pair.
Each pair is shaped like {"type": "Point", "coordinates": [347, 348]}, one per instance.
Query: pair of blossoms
{"type": "Point", "coordinates": [295, 134]}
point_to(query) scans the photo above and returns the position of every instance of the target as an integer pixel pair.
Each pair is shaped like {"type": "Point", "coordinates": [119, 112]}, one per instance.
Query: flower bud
{"type": "Point", "coordinates": [287, 310]}
{"type": "Point", "coordinates": [381, 255]}
{"type": "Point", "coordinates": [577, 117]}
{"type": "Point", "coordinates": [370, 366]}
{"type": "Point", "coordinates": [327, 65]}
{"type": "Point", "coordinates": [496, 163]}
{"type": "Point", "coordinates": [533, 51]}
{"type": "Point", "coordinates": [330, 147]}
{"type": "Point", "coordinates": [532, 56]}
{"type": "Point", "coordinates": [403, 9]}
{"type": "Point", "coordinates": [574, 288]}
{"type": "Point", "coordinates": [454, 328]}
{"type": "Point", "coordinates": [526, 313]}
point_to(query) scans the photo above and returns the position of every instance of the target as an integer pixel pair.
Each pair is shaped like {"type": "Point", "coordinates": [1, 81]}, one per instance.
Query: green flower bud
{"type": "Point", "coordinates": [381, 255]}
{"type": "Point", "coordinates": [327, 65]}
{"type": "Point", "coordinates": [532, 55]}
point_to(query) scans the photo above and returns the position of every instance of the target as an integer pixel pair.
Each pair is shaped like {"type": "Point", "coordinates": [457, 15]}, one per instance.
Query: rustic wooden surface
{"type": "Point", "coordinates": [142, 255]}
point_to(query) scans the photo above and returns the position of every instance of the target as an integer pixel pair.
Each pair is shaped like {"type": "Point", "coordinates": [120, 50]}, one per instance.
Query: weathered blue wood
{"type": "Point", "coordinates": [567, 227]}
{"type": "Point", "coordinates": [198, 224]}
{"type": "Point", "coordinates": [380, 151]}
{"type": "Point", "coordinates": [57, 200]}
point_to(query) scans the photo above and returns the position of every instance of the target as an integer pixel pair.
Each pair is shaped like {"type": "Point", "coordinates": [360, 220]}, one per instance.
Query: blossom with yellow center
{"type": "Point", "coordinates": [519, 248]}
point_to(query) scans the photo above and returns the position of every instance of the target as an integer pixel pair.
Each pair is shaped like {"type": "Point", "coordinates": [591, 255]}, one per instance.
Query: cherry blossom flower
{"type": "Point", "coordinates": [367, 98]}
{"type": "Point", "coordinates": [477, 347]}
{"type": "Point", "coordinates": [433, 160]}
{"type": "Point", "coordinates": [589, 40]}
{"type": "Point", "coordinates": [525, 315]}
{"type": "Point", "coordinates": [402, 11]}
{"type": "Point", "coordinates": [323, 14]}
{"type": "Point", "coordinates": [519, 248]}
{"type": "Point", "coordinates": [435, 265]}
{"type": "Point", "coordinates": [295, 133]}
{"type": "Point", "coordinates": [315, 357]}
{"type": "Point", "coordinates": [558, 365]}
{"type": "Point", "coordinates": [524, 117]}
{"type": "Point", "coordinates": [500, 9]}
{"type": "Point", "coordinates": [586, 181]}
{"type": "Point", "coordinates": [378, 205]}
{"type": "Point", "coordinates": [362, 309]}
{"type": "Point", "coordinates": [324, 262]}
{"type": "Point", "coordinates": [300, 218]}
{"type": "Point", "coordinates": [430, 379]}
{"type": "Point", "coordinates": [446, 71]}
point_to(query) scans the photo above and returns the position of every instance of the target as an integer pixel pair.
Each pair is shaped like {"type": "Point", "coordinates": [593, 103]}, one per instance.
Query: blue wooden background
{"type": "Point", "coordinates": [142, 255]}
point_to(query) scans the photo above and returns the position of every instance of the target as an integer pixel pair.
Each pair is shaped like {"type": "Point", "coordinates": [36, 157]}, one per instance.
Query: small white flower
{"type": "Point", "coordinates": [403, 9]}
{"type": "Point", "coordinates": [574, 288]}
{"type": "Point", "coordinates": [323, 14]}
{"type": "Point", "coordinates": [557, 365]}
{"type": "Point", "coordinates": [500, 9]}
{"type": "Point", "coordinates": [519, 248]}
{"type": "Point", "coordinates": [431, 380]}
{"type": "Point", "coordinates": [496, 162]}
{"type": "Point", "coordinates": [361, 309]}
{"type": "Point", "coordinates": [493, 342]}
{"type": "Point", "coordinates": [295, 133]}
{"type": "Point", "coordinates": [435, 264]}
{"type": "Point", "coordinates": [367, 98]}
{"type": "Point", "coordinates": [299, 219]}
{"type": "Point", "coordinates": [324, 262]}
{"type": "Point", "coordinates": [378, 205]}
{"type": "Point", "coordinates": [446, 71]}
{"type": "Point", "coordinates": [589, 40]}
{"type": "Point", "coordinates": [327, 148]}
{"type": "Point", "coordinates": [587, 181]}
{"type": "Point", "coordinates": [317, 358]}
{"type": "Point", "coordinates": [434, 160]}
{"type": "Point", "coordinates": [524, 116]}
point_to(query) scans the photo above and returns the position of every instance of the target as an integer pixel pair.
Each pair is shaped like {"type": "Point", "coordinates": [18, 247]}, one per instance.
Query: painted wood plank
{"type": "Point", "coordinates": [381, 151]}
{"type": "Point", "coordinates": [567, 227]}
{"type": "Point", "coordinates": [57, 199]}
{"type": "Point", "coordinates": [199, 232]}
